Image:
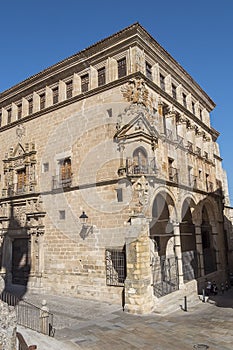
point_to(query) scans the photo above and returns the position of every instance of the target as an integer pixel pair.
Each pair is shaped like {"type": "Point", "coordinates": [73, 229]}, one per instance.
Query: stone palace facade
{"type": "Point", "coordinates": [111, 179]}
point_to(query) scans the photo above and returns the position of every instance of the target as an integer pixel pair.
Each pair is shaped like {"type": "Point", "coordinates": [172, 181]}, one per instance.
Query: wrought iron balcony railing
{"type": "Point", "coordinates": [58, 182]}
{"type": "Point", "coordinates": [136, 168]}
{"type": "Point", "coordinates": [173, 174]}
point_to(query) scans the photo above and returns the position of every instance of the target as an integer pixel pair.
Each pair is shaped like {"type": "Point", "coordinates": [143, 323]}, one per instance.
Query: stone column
{"type": "Point", "coordinates": [138, 289]}
{"type": "Point", "coordinates": [178, 252]}
{"type": "Point", "coordinates": [199, 249]}
{"type": "Point", "coordinates": [215, 245]}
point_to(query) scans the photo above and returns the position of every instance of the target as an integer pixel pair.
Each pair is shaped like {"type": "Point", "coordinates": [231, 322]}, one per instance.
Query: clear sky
{"type": "Point", "coordinates": [198, 34]}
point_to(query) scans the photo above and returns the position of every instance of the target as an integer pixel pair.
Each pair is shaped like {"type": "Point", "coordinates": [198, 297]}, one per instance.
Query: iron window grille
{"type": "Point", "coordinates": [85, 83]}
{"type": "Point", "coordinates": [55, 95]}
{"type": "Point", "coordinates": [121, 67]}
{"type": "Point", "coordinates": [101, 76]}
{"type": "Point", "coordinates": [115, 267]}
{"type": "Point", "coordinates": [69, 89]}
{"type": "Point", "coordinates": [148, 71]}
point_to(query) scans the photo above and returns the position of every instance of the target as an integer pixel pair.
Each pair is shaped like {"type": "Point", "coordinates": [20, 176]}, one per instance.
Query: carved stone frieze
{"type": "Point", "coordinates": [136, 92]}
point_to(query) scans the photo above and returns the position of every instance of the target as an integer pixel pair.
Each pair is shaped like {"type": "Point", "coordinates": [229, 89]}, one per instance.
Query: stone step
{"type": "Point", "coordinates": [176, 300]}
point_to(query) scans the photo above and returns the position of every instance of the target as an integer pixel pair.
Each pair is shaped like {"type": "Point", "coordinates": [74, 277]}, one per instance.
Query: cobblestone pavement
{"type": "Point", "coordinates": [95, 325]}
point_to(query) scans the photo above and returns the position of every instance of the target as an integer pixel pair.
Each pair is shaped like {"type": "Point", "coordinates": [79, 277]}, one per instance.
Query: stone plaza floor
{"type": "Point", "coordinates": [85, 324]}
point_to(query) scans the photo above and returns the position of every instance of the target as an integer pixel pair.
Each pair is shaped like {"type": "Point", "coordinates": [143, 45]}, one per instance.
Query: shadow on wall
{"type": "Point", "coordinates": [15, 253]}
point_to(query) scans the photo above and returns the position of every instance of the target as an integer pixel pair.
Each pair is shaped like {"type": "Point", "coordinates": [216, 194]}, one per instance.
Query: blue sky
{"type": "Point", "coordinates": [198, 34]}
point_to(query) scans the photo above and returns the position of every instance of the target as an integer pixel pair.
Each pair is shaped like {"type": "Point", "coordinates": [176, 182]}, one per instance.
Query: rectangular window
{"type": "Point", "coordinates": [193, 107]}
{"type": "Point", "coordinates": [69, 89]}
{"type": "Point", "coordinates": [9, 115]}
{"type": "Point", "coordinates": [42, 101]}
{"type": "Point", "coordinates": [55, 95]}
{"type": "Point", "coordinates": [162, 81]}
{"type": "Point", "coordinates": [19, 111]}
{"type": "Point", "coordinates": [21, 180]}
{"type": "Point", "coordinates": [101, 76]}
{"type": "Point", "coordinates": [45, 167]}
{"type": "Point", "coordinates": [121, 65]}
{"type": "Point", "coordinates": [174, 94]}
{"type": "Point", "coordinates": [0, 119]}
{"type": "Point", "coordinates": [62, 214]}
{"type": "Point", "coordinates": [200, 113]}
{"type": "Point", "coordinates": [184, 100]}
{"type": "Point", "coordinates": [119, 194]}
{"type": "Point", "coordinates": [65, 173]}
{"type": "Point", "coordinates": [84, 82]}
{"type": "Point", "coordinates": [115, 267]}
{"type": "Point", "coordinates": [30, 106]}
{"type": "Point", "coordinates": [148, 71]}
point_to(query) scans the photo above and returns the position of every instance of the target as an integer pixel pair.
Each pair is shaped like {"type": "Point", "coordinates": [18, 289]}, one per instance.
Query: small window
{"type": "Point", "coordinates": [30, 106]}
{"type": "Point", "coordinates": [193, 107]}
{"type": "Point", "coordinates": [119, 194]}
{"type": "Point", "coordinates": [115, 267]}
{"type": "Point", "coordinates": [45, 167]}
{"type": "Point", "coordinates": [200, 113]}
{"type": "Point", "coordinates": [121, 64]}
{"type": "Point", "coordinates": [19, 111]}
{"type": "Point", "coordinates": [101, 76]}
{"type": "Point", "coordinates": [85, 83]}
{"type": "Point", "coordinates": [55, 95]}
{"type": "Point", "coordinates": [174, 94]}
{"type": "Point", "coordinates": [162, 81]}
{"type": "Point", "coordinates": [42, 101]}
{"type": "Point", "coordinates": [184, 97]}
{"type": "Point", "coordinates": [62, 214]}
{"type": "Point", "coordinates": [0, 120]}
{"type": "Point", "coordinates": [9, 115]}
{"type": "Point", "coordinates": [69, 89]}
{"type": "Point", "coordinates": [148, 71]}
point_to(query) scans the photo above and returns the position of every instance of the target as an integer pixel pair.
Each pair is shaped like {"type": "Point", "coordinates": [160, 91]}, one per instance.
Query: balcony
{"type": "Point", "coordinates": [58, 182]}
{"type": "Point", "coordinates": [209, 186]}
{"type": "Point", "coordinates": [193, 181]}
{"type": "Point", "coordinates": [135, 168]}
{"type": "Point", "coordinates": [173, 174]}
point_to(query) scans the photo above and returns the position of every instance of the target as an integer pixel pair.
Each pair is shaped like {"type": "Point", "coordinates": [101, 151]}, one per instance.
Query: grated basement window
{"type": "Point", "coordinates": [115, 267]}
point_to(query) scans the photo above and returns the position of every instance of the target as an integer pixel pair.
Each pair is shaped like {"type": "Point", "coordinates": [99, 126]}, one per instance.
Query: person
{"type": "Point", "coordinates": [214, 288]}
{"type": "Point", "coordinates": [222, 287]}
{"type": "Point", "coordinates": [208, 288]}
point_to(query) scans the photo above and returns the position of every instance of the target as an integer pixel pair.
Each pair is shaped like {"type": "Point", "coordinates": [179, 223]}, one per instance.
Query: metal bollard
{"type": "Point", "coordinates": [185, 304]}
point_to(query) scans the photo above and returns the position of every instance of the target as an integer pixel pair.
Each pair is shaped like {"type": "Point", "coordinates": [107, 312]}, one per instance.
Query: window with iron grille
{"type": "Point", "coordinates": [148, 71]}
{"type": "Point", "coordinates": [9, 115]}
{"type": "Point", "coordinates": [101, 76]}
{"type": "Point", "coordinates": [19, 111]}
{"type": "Point", "coordinates": [121, 64]}
{"type": "Point", "coordinates": [184, 100]}
{"type": "Point", "coordinates": [55, 95]}
{"type": "Point", "coordinates": [69, 89]}
{"type": "Point", "coordinates": [42, 101]}
{"type": "Point", "coordinates": [115, 267]}
{"type": "Point", "coordinates": [162, 81]}
{"type": "Point", "coordinates": [30, 106]}
{"type": "Point", "coordinates": [174, 94]}
{"type": "Point", "coordinates": [84, 82]}
{"type": "Point", "coordinates": [193, 107]}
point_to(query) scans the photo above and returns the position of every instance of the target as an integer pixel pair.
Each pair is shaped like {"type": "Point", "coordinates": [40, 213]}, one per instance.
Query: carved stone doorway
{"type": "Point", "coordinates": [20, 261]}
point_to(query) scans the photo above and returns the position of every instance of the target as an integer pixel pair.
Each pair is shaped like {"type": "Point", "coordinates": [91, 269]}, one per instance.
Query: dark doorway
{"type": "Point", "coordinates": [20, 261]}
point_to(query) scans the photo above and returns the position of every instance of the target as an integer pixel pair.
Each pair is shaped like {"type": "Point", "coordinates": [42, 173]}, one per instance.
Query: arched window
{"type": "Point", "coordinates": [140, 161]}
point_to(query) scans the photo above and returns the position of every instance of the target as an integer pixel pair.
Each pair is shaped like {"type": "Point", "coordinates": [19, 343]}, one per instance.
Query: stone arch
{"type": "Point", "coordinates": [140, 160]}
{"type": "Point", "coordinates": [161, 227]}
{"type": "Point", "coordinates": [188, 240]}
{"type": "Point", "coordinates": [208, 245]}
